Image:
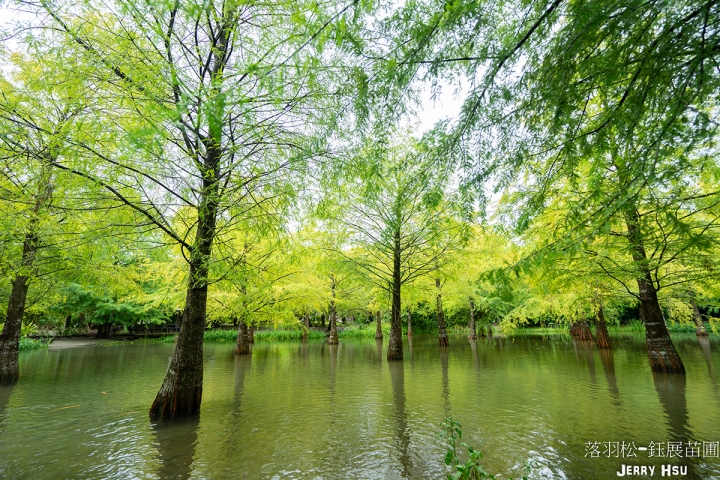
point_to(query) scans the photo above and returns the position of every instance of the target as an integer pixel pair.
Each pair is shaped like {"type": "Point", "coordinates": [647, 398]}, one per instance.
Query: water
{"type": "Point", "coordinates": [314, 411]}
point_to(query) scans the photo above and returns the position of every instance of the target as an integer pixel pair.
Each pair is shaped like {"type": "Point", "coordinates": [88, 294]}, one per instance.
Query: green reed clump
{"type": "Point", "coordinates": [30, 344]}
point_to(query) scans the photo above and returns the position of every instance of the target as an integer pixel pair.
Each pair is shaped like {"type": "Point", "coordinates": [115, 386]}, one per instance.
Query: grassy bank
{"type": "Point", "coordinates": [30, 344]}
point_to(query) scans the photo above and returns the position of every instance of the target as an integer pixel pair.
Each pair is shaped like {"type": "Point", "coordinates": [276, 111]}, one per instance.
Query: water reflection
{"type": "Point", "coordinates": [584, 350]}
{"type": "Point", "coordinates": [444, 351]}
{"type": "Point", "coordinates": [608, 362]}
{"type": "Point", "coordinates": [705, 347]}
{"type": "Point", "coordinates": [670, 388]}
{"type": "Point", "coordinates": [176, 439]}
{"type": "Point", "coordinates": [402, 432]}
{"type": "Point", "coordinates": [474, 348]}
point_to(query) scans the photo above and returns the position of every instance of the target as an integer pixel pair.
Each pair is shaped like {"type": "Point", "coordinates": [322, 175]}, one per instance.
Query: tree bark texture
{"type": "Point", "coordinates": [473, 328]}
{"type": "Point", "coordinates": [661, 351]}
{"type": "Point", "coordinates": [442, 331]}
{"type": "Point", "coordinates": [378, 326]}
{"type": "Point", "coordinates": [243, 341]}
{"type": "Point", "coordinates": [602, 338]}
{"type": "Point", "coordinates": [395, 347]}
{"type": "Point", "coordinates": [700, 330]}
{"type": "Point", "coordinates": [333, 338]}
{"type": "Point", "coordinates": [581, 330]}
{"type": "Point", "coordinates": [306, 325]}
{"type": "Point", "coordinates": [10, 336]}
{"type": "Point", "coordinates": [251, 333]}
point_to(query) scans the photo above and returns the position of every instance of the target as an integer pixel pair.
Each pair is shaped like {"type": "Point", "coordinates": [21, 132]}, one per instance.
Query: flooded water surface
{"type": "Point", "coordinates": [293, 410]}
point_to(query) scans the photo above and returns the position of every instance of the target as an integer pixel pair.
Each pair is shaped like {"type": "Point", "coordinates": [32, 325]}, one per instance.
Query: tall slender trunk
{"type": "Point", "coordinates": [442, 331]}
{"type": "Point", "coordinates": [10, 337]}
{"type": "Point", "coordinates": [333, 338]}
{"type": "Point", "coordinates": [473, 329]}
{"type": "Point", "coordinates": [395, 347]}
{"type": "Point", "coordinates": [602, 337]}
{"type": "Point", "coordinates": [243, 341]}
{"type": "Point", "coordinates": [306, 325]}
{"type": "Point", "coordinates": [378, 326]}
{"type": "Point", "coordinates": [699, 327]}
{"type": "Point", "coordinates": [409, 329]}
{"type": "Point", "coordinates": [181, 391]}
{"type": "Point", "coordinates": [661, 351]}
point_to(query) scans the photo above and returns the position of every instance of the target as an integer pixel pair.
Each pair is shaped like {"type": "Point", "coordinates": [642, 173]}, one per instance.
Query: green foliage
{"type": "Point", "coordinates": [30, 344]}
{"type": "Point", "coordinates": [363, 331]}
{"type": "Point", "coordinates": [97, 308]}
{"type": "Point", "coordinates": [471, 469]}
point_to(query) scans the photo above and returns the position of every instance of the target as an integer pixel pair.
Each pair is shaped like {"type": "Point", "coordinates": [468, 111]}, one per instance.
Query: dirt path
{"type": "Point", "coordinates": [59, 343]}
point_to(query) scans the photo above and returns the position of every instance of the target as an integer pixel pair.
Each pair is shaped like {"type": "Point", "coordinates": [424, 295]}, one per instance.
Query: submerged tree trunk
{"type": "Point", "coordinates": [699, 327]}
{"type": "Point", "coordinates": [473, 329]}
{"type": "Point", "coordinates": [378, 327]}
{"type": "Point", "coordinates": [333, 338]}
{"type": "Point", "coordinates": [395, 347]}
{"type": "Point", "coordinates": [10, 337]}
{"type": "Point", "coordinates": [661, 351]}
{"type": "Point", "coordinates": [181, 391]}
{"type": "Point", "coordinates": [306, 324]}
{"type": "Point", "coordinates": [442, 331]}
{"type": "Point", "coordinates": [243, 341]}
{"type": "Point", "coordinates": [581, 330]}
{"type": "Point", "coordinates": [602, 337]}
{"type": "Point", "coordinates": [251, 333]}
{"type": "Point", "coordinates": [409, 329]}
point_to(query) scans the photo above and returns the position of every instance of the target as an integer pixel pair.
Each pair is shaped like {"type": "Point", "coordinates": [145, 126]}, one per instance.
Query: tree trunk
{"type": "Point", "coordinates": [322, 320]}
{"type": "Point", "coordinates": [489, 331]}
{"type": "Point", "coordinates": [661, 351]}
{"type": "Point", "coordinates": [378, 327]}
{"type": "Point", "coordinates": [442, 331]}
{"type": "Point", "coordinates": [103, 330]}
{"type": "Point", "coordinates": [243, 341]}
{"type": "Point", "coordinates": [700, 328]}
{"type": "Point", "coordinates": [602, 337]}
{"type": "Point", "coordinates": [306, 324]}
{"type": "Point", "coordinates": [332, 338]}
{"type": "Point", "coordinates": [395, 347]}
{"type": "Point", "coordinates": [473, 329]}
{"type": "Point", "coordinates": [10, 336]}
{"type": "Point", "coordinates": [581, 330]}
{"type": "Point", "coordinates": [181, 391]}
{"type": "Point", "coordinates": [251, 333]}
{"type": "Point", "coordinates": [409, 329]}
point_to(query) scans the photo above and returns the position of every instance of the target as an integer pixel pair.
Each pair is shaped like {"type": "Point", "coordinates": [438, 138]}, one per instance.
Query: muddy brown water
{"type": "Point", "coordinates": [293, 410]}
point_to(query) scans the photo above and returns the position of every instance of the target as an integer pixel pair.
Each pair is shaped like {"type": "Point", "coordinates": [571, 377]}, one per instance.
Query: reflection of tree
{"type": "Point", "coordinates": [608, 362]}
{"type": "Point", "coordinates": [176, 439]}
{"type": "Point", "coordinates": [584, 348]}
{"type": "Point", "coordinates": [445, 380]}
{"type": "Point", "coordinates": [5, 392]}
{"type": "Point", "coordinates": [402, 436]}
{"type": "Point", "coordinates": [474, 348]}
{"type": "Point", "coordinates": [671, 392]}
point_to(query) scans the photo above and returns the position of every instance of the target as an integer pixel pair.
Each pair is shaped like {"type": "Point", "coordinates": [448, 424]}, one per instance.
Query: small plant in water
{"type": "Point", "coordinates": [471, 469]}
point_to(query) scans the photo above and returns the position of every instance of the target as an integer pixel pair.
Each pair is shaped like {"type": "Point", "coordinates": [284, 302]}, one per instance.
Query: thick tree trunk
{"type": "Point", "coordinates": [251, 333]}
{"type": "Point", "coordinates": [602, 336]}
{"type": "Point", "coordinates": [661, 351]}
{"type": "Point", "coordinates": [10, 336]}
{"type": "Point", "coordinates": [409, 329]}
{"type": "Point", "coordinates": [378, 327]}
{"type": "Point", "coordinates": [699, 326]}
{"type": "Point", "coordinates": [181, 391]}
{"type": "Point", "coordinates": [243, 341]}
{"type": "Point", "coordinates": [333, 338]}
{"type": "Point", "coordinates": [442, 331]}
{"type": "Point", "coordinates": [473, 329]}
{"type": "Point", "coordinates": [103, 330]}
{"type": "Point", "coordinates": [581, 330]}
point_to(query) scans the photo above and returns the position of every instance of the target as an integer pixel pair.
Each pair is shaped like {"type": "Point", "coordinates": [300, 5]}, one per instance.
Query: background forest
{"type": "Point", "coordinates": [260, 164]}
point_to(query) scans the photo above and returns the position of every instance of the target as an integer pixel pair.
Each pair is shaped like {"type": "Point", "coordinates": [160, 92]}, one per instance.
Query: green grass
{"type": "Point", "coordinates": [362, 331]}
{"type": "Point", "coordinates": [30, 344]}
